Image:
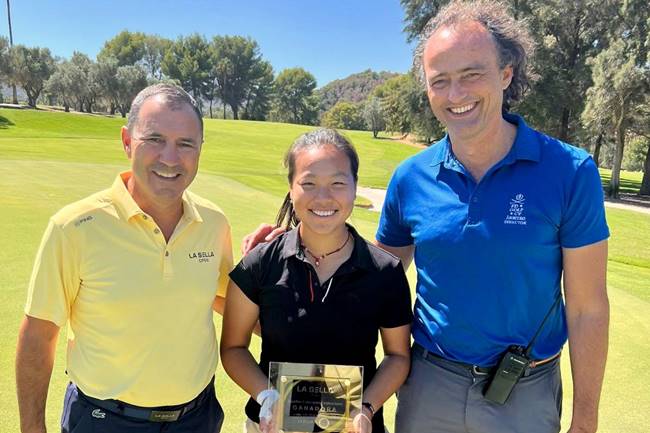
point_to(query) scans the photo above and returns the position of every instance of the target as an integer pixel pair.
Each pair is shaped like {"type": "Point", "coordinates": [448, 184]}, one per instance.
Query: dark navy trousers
{"type": "Point", "coordinates": [81, 416]}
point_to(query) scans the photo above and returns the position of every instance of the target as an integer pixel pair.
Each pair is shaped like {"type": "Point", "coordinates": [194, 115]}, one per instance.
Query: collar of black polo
{"type": "Point", "coordinates": [360, 257]}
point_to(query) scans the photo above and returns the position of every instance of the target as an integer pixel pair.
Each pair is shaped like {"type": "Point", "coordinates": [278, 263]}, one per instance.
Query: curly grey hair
{"type": "Point", "coordinates": [511, 37]}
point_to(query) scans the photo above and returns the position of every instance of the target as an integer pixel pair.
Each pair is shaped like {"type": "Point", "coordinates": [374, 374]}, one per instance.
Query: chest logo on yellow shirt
{"type": "Point", "coordinates": [516, 214]}
{"type": "Point", "coordinates": [201, 256]}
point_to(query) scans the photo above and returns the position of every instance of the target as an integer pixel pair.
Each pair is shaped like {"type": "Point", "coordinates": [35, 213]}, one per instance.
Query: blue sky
{"type": "Point", "coordinates": [329, 38]}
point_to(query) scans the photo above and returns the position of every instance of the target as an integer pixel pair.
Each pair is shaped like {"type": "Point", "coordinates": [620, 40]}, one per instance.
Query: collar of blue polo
{"type": "Point", "coordinates": [526, 146]}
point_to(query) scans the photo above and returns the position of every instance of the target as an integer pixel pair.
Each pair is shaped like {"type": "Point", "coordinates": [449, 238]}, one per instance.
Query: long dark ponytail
{"type": "Point", "coordinates": [317, 138]}
{"type": "Point", "coordinates": [287, 213]}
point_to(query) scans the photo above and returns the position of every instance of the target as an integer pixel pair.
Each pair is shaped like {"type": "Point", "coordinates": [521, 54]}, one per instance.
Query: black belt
{"type": "Point", "coordinates": [157, 414]}
{"type": "Point", "coordinates": [432, 357]}
{"type": "Point", "coordinates": [476, 369]}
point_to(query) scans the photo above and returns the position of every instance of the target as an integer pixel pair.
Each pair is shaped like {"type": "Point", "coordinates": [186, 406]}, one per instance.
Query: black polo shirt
{"type": "Point", "coordinates": [367, 292]}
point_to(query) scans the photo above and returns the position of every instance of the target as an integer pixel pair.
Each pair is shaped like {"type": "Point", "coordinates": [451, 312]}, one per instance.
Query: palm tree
{"type": "Point", "coordinates": [11, 44]}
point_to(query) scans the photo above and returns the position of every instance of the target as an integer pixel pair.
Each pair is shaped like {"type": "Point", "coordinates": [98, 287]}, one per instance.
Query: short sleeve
{"type": "Point", "coordinates": [54, 283]}
{"type": "Point", "coordinates": [583, 221]}
{"type": "Point", "coordinates": [396, 309]}
{"type": "Point", "coordinates": [246, 275]}
{"type": "Point", "coordinates": [392, 231]}
{"type": "Point", "coordinates": [225, 265]}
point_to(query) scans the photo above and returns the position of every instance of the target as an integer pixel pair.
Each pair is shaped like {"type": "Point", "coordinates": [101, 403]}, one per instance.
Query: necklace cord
{"type": "Point", "coordinates": [318, 258]}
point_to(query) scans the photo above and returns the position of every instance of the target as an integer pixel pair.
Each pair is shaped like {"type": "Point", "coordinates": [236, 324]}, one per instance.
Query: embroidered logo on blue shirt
{"type": "Point", "coordinates": [516, 212]}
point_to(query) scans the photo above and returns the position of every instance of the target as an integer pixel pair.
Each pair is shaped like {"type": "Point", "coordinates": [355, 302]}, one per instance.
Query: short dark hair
{"type": "Point", "coordinates": [511, 37]}
{"type": "Point", "coordinates": [319, 137]}
{"type": "Point", "coordinates": [173, 95]}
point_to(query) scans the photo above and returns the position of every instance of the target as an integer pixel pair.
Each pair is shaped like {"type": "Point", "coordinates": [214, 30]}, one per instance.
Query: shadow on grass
{"type": "Point", "coordinates": [379, 137]}
{"type": "Point", "coordinates": [5, 123]}
{"type": "Point", "coordinates": [626, 185]}
{"type": "Point", "coordinates": [404, 140]}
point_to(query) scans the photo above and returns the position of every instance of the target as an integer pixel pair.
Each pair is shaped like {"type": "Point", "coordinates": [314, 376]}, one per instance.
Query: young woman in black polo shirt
{"type": "Point", "coordinates": [321, 293]}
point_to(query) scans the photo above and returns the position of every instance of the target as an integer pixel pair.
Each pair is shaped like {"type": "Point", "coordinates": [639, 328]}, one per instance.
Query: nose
{"type": "Point", "coordinates": [323, 193]}
{"type": "Point", "coordinates": [457, 92]}
{"type": "Point", "coordinates": [169, 154]}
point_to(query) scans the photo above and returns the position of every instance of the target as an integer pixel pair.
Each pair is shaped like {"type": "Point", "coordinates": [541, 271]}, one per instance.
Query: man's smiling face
{"type": "Point", "coordinates": [164, 147]}
{"type": "Point", "coordinates": [464, 81]}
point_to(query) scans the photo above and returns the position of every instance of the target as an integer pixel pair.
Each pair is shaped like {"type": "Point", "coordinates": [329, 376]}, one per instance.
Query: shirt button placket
{"type": "Point", "coordinates": [166, 259]}
{"type": "Point", "coordinates": [474, 209]}
{"type": "Point", "coordinates": [168, 269]}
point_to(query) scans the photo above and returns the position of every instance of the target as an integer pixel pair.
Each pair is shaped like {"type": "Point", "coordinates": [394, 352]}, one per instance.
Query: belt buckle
{"type": "Point", "coordinates": [164, 415]}
{"type": "Point", "coordinates": [477, 372]}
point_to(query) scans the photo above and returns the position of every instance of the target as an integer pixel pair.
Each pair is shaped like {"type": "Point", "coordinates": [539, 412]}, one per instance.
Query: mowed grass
{"type": "Point", "coordinates": [50, 159]}
{"type": "Point", "coordinates": [249, 152]}
{"type": "Point", "coordinates": [630, 180]}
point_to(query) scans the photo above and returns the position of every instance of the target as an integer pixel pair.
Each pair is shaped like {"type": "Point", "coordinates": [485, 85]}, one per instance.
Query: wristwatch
{"type": "Point", "coordinates": [370, 407]}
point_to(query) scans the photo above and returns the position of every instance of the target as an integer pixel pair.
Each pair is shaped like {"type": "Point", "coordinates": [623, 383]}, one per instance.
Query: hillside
{"type": "Point", "coordinates": [354, 88]}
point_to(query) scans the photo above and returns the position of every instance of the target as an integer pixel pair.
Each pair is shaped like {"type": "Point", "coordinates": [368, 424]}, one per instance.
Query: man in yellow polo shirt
{"type": "Point", "coordinates": [136, 271]}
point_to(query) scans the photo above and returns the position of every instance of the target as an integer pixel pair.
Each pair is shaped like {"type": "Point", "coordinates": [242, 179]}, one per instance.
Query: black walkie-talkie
{"type": "Point", "coordinates": [507, 374]}
{"type": "Point", "coordinates": [512, 366]}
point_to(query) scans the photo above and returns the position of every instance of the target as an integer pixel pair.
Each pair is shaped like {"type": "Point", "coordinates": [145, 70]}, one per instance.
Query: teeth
{"type": "Point", "coordinates": [323, 213]}
{"type": "Point", "coordinates": [462, 109]}
{"type": "Point", "coordinates": [166, 175]}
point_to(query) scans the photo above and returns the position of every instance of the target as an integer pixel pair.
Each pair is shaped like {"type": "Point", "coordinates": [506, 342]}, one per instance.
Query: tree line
{"type": "Point", "coordinates": [591, 80]}
{"type": "Point", "coordinates": [226, 69]}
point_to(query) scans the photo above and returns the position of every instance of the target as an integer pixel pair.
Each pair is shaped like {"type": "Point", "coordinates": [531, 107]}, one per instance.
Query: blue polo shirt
{"type": "Point", "coordinates": [489, 254]}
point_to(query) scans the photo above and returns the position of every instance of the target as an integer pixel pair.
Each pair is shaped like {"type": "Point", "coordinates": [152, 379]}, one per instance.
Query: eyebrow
{"type": "Point", "coordinates": [337, 174]}
{"type": "Point", "coordinates": [472, 67]}
{"type": "Point", "coordinates": [150, 134]}
{"type": "Point", "coordinates": [154, 134]}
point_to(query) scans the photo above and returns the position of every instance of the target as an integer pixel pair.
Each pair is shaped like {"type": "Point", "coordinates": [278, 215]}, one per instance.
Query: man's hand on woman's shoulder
{"type": "Point", "coordinates": [263, 233]}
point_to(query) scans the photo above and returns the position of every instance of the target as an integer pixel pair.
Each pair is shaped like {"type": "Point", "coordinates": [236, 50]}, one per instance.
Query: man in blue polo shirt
{"type": "Point", "coordinates": [495, 214]}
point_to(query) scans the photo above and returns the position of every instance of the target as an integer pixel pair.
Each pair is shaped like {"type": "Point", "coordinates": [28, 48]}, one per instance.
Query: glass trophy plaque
{"type": "Point", "coordinates": [315, 397]}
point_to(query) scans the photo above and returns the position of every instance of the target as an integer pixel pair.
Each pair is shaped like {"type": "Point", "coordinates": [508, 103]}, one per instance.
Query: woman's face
{"type": "Point", "coordinates": [323, 189]}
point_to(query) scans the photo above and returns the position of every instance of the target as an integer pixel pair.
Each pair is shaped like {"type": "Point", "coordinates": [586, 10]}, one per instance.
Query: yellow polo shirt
{"type": "Point", "coordinates": [139, 309]}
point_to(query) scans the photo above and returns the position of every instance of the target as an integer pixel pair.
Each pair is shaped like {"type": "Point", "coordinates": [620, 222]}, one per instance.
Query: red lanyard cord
{"type": "Point", "coordinates": [311, 287]}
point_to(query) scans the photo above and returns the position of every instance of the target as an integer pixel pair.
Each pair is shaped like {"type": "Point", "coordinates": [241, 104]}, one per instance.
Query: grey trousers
{"type": "Point", "coordinates": [442, 396]}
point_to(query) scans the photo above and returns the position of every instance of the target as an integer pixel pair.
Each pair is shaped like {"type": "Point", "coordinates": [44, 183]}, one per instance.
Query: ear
{"type": "Point", "coordinates": [506, 76]}
{"type": "Point", "coordinates": [126, 141]}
